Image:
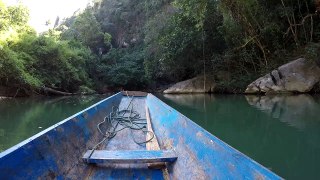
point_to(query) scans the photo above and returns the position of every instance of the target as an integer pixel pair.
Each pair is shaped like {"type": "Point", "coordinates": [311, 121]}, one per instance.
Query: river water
{"type": "Point", "coordinates": [280, 132]}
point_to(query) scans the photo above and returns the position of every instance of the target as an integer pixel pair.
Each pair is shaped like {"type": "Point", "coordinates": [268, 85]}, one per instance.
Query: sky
{"type": "Point", "coordinates": [44, 10]}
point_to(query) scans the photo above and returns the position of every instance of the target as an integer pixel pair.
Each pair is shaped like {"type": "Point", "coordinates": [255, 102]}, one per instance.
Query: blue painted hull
{"type": "Point", "coordinates": [56, 153]}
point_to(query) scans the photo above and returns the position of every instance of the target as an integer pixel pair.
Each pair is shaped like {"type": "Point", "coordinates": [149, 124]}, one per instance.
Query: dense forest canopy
{"type": "Point", "coordinates": [146, 44]}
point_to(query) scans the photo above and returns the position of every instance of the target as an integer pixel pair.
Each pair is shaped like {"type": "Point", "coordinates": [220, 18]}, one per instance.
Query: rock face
{"type": "Point", "coordinates": [194, 85]}
{"type": "Point", "coordinates": [297, 76]}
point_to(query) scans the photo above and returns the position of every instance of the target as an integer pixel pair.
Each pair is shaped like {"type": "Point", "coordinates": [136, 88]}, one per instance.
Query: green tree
{"type": "Point", "coordinates": [86, 29]}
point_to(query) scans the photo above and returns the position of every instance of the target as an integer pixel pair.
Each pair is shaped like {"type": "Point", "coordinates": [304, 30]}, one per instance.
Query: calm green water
{"type": "Point", "coordinates": [281, 132]}
{"type": "Point", "coordinates": [23, 117]}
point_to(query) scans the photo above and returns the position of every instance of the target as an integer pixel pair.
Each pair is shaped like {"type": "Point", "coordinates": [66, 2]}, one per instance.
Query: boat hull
{"type": "Point", "coordinates": [56, 153]}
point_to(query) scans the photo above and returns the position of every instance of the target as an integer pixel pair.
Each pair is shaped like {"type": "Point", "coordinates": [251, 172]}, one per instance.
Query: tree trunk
{"type": "Point", "coordinates": [56, 92]}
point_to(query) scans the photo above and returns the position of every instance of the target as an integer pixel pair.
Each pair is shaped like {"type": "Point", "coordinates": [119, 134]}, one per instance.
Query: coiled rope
{"type": "Point", "coordinates": [118, 120]}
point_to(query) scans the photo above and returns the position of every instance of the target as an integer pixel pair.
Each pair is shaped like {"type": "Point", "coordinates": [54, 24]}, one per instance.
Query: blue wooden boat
{"type": "Point", "coordinates": [83, 146]}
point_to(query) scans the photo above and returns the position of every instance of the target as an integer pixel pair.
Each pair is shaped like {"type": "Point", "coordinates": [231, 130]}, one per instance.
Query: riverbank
{"type": "Point", "coordinates": [13, 92]}
{"type": "Point", "coordinates": [298, 76]}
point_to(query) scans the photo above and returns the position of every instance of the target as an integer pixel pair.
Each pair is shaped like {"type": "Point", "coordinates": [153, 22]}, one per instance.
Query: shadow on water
{"type": "Point", "coordinates": [23, 117]}
{"type": "Point", "coordinates": [280, 132]}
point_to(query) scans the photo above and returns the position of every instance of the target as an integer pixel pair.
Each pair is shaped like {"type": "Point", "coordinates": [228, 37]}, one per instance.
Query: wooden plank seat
{"type": "Point", "coordinates": [140, 156]}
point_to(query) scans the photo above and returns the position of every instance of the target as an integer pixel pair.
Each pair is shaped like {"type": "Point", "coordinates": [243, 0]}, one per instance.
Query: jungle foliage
{"type": "Point", "coordinates": [30, 61]}
{"type": "Point", "coordinates": [143, 44]}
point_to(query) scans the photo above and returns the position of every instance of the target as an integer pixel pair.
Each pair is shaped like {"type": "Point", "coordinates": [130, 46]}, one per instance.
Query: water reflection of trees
{"type": "Point", "coordinates": [21, 118]}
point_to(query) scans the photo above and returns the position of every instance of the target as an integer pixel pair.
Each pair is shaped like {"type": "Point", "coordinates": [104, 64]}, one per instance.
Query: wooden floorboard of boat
{"type": "Point", "coordinates": [152, 143]}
